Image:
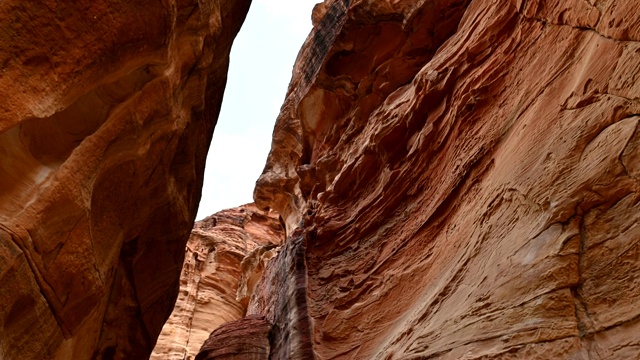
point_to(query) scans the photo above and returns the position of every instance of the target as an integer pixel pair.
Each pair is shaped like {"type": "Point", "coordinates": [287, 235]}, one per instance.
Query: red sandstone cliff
{"type": "Point", "coordinates": [225, 255]}
{"type": "Point", "coordinates": [459, 180]}
{"type": "Point", "coordinates": [106, 115]}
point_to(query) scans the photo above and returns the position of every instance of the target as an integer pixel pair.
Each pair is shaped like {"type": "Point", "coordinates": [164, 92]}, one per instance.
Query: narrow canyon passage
{"type": "Point", "coordinates": [225, 258]}
{"type": "Point", "coordinates": [447, 179]}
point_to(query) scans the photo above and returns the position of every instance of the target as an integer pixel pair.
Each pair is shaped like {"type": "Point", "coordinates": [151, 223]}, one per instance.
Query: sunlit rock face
{"type": "Point", "coordinates": [106, 115]}
{"type": "Point", "coordinates": [225, 256]}
{"type": "Point", "coordinates": [459, 180]}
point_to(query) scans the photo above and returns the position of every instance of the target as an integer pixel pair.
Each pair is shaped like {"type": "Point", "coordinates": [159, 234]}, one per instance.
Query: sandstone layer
{"type": "Point", "coordinates": [459, 180]}
{"type": "Point", "coordinates": [106, 116]}
{"type": "Point", "coordinates": [243, 339]}
{"type": "Point", "coordinates": [225, 255]}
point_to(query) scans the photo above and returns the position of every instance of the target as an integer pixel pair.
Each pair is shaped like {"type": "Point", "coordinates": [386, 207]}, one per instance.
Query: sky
{"type": "Point", "coordinates": [262, 59]}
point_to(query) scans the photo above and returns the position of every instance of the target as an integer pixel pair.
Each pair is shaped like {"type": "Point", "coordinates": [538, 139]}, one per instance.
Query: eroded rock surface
{"type": "Point", "coordinates": [459, 180]}
{"type": "Point", "coordinates": [225, 255]}
{"type": "Point", "coordinates": [106, 115]}
{"type": "Point", "coordinates": [245, 339]}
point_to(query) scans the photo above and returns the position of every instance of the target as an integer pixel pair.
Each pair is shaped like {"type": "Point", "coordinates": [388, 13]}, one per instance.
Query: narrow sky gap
{"type": "Point", "coordinates": [262, 59]}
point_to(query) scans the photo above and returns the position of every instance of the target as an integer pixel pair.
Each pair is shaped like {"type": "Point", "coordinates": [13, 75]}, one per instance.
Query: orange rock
{"type": "Point", "coordinates": [458, 180]}
{"type": "Point", "coordinates": [106, 116]}
{"type": "Point", "coordinates": [216, 269]}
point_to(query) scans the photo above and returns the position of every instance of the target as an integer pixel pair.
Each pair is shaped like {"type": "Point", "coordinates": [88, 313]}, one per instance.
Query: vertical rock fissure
{"type": "Point", "coordinates": [301, 299]}
{"type": "Point", "coordinates": [290, 336]}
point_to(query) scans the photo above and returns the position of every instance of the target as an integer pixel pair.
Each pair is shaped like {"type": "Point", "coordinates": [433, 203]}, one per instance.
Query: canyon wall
{"type": "Point", "coordinates": [106, 116]}
{"type": "Point", "coordinates": [459, 180]}
{"type": "Point", "coordinates": [226, 254]}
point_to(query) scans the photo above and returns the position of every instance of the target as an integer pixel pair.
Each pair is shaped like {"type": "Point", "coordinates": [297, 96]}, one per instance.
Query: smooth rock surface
{"type": "Point", "coordinates": [224, 254]}
{"type": "Point", "coordinates": [459, 180]}
{"type": "Point", "coordinates": [106, 116]}
{"type": "Point", "coordinates": [243, 339]}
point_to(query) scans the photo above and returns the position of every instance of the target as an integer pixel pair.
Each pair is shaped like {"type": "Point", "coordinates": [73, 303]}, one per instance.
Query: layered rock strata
{"type": "Point", "coordinates": [106, 116]}
{"type": "Point", "coordinates": [459, 180]}
{"type": "Point", "coordinates": [281, 298]}
{"type": "Point", "coordinates": [246, 339]}
{"type": "Point", "coordinates": [225, 255]}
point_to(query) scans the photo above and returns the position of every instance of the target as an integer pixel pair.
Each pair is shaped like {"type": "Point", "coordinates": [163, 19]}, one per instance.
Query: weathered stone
{"type": "Point", "coordinates": [244, 339]}
{"type": "Point", "coordinates": [216, 269]}
{"type": "Point", "coordinates": [458, 179]}
{"type": "Point", "coordinates": [281, 297]}
{"type": "Point", "coordinates": [106, 115]}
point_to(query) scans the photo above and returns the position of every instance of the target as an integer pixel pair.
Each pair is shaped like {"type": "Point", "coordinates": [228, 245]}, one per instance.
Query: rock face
{"type": "Point", "coordinates": [245, 339]}
{"type": "Point", "coordinates": [459, 180]}
{"type": "Point", "coordinates": [106, 115]}
{"type": "Point", "coordinates": [225, 255]}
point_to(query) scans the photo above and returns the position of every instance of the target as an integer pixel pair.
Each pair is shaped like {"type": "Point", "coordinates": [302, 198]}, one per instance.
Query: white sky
{"type": "Point", "coordinates": [262, 58]}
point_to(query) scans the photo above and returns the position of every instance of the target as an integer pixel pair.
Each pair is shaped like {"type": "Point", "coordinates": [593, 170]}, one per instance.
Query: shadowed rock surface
{"type": "Point", "coordinates": [459, 180]}
{"type": "Point", "coordinates": [243, 339]}
{"type": "Point", "coordinates": [225, 256]}
{"type": "Point", "coordinates": [106, 116]}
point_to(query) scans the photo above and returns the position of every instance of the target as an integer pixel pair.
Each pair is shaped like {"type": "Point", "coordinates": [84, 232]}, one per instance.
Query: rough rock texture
{"type": "Point", "coordinates": [225, 255]}
{"type": "Point", "coordinates": [106, 115]}
{"type": "Point", "coordinates": [244, 339]}
{"type": "Point", "coordinates": [281, 297]}
{"type": "Point", "coordinates": [459, 180]}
